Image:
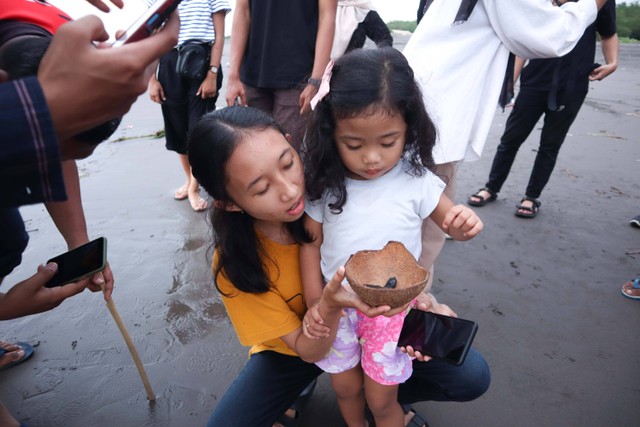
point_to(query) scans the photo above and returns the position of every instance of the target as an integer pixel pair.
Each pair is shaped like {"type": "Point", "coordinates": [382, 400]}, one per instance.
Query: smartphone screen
{"type": "Point", "coordinates": [80, 262]}
{"type": "Point", "coordinates": [148, 22]}
{"type": "Point", "coordinates": [442, 337]}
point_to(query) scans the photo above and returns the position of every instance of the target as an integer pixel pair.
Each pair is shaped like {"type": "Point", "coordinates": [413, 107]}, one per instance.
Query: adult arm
{"type": "Point", "coordinates": [610, 47]}
{"type": "Point", "coordinates": [324, 42]}
{"type": "Point", "coordinates": [85, 86]}
{"type": "Point", "coordinates": [239, 38]}
{"type": "Point", "coordinates": [538, 29]}
{"type": "Point", "coordinates": [517, 68]}
{"type": "Point", "coordinates": [30, 167]}
{"type": "Point", "coordinates": [209, 88]}
{"type": "Point", "coordinates": [68, 216]}
{"type": "Point", "coordinates": [310, 263]}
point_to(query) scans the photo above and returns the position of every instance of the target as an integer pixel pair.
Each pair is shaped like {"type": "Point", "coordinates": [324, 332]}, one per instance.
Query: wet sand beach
{"type": "Point", "coordinates": [560, 338]}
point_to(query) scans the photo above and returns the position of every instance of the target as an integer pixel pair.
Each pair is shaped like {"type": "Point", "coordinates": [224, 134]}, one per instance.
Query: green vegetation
{"type": "Point", "coordinates": [628, 20]}
{"type": "Point", "coordinates": [627, 17]}
{"type": "Point", "coordinates": [402, 25]}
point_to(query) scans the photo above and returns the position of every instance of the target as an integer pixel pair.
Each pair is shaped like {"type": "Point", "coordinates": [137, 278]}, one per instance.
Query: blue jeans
{"type": "Point", "coordinates": [270, 383]}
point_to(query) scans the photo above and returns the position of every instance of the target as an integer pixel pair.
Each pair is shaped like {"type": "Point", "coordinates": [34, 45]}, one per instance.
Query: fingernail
{"type": "Point", "coordinates": [52, 266]}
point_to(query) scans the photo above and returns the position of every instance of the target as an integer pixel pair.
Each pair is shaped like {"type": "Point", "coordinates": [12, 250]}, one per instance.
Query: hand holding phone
{"type": "Point", "coordinates": [79, 263]}
{"type": "Point", "coordinates": [441, 337]}
{"type": "Point", "coordinates": [148, 22]}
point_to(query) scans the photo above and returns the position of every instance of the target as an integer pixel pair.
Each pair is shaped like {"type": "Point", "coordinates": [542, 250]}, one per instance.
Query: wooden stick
{"type": "Point", "coordinates": [132, 349]}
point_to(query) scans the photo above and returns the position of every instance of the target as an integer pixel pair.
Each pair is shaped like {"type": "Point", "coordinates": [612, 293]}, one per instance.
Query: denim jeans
{"type": "Point", "coordinates": [530, 105]}
{"type": "Point", "coordinates": [270, 383]}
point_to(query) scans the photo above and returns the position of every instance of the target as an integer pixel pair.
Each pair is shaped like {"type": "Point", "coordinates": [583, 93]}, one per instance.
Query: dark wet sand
{"type": "Point", "coordinates": [561, 340]}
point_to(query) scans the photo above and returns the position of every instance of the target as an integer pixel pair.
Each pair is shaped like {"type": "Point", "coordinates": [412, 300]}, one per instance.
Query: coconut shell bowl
{"type": "Point", "coordinates": [389, 276]}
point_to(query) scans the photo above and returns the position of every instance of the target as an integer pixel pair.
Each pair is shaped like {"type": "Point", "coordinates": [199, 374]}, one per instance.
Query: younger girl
{"type": "Point", "coordinates": [366, 157]}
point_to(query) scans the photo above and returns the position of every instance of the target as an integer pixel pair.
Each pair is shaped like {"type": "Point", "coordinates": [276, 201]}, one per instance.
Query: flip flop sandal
{"type": "Point", "coordinates": [417, 420]}
{"type": "Point", "coordinates": [28, 352]}
{"type": "Point", "coordinates": [631, 289]}
{"type": "Point", "coordinates": [482, 201]}
{"type": "Point", "coordinates": [294, 420]}
{"type": "Point", "coordinates": [635, 222]}
{"type": "Point", "coordinates": [529, 212]}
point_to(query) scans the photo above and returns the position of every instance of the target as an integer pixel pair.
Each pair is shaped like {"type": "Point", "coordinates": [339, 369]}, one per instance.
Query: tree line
{"type": "Point", "coordinates": [627, 19]}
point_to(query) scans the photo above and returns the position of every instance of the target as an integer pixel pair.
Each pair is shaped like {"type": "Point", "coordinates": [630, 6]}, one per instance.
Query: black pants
{"type": "Point", "coordinates": [373, 27]}
{"type": "Point", "coordinates": [182, 108]}
{"type": "Point", "coordinates": [529, 106]}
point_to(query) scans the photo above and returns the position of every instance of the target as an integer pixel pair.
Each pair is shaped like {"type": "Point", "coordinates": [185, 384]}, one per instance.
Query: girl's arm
{"type": "Point", "coordinates": [310, 263]}
{"type": "Point", "coordinates": [459, 221]}
{"type": "Point", "coordinates": [333, 299]}
{"type": "Point", "coordinates": [312, 280]}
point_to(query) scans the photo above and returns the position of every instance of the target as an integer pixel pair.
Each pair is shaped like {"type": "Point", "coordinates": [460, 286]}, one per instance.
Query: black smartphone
{"type": "Point", "coordinates": [148, 22]}
{"type": "Point", "coordinates": [79, 263]}
{"type": "Point", "coordinates": [441, 337]}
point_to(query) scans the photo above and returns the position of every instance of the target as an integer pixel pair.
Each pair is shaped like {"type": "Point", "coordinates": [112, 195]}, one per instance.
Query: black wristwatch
{"type": "Point", "coordinates": [315, 82]}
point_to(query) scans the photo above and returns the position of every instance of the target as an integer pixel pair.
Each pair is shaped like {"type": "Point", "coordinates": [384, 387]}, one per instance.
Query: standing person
{"type": "Point", "coordinates": [245, 162]}
{"type": "Point", "coordinates": [366, 160]}
{"type": "Point", "coordinates": [185, 99]}
{"type": "Point", "coordinates": [279, 49]}
{"type": "Point", "coordinates": [355, 21]}
{"type": "Point", "coordinates": [555, 88]}
{"type": "Point", "coordinates": [455, 38]}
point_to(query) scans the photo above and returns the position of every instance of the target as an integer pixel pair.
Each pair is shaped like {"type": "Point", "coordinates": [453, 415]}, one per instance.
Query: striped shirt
{"type": "Point", "coordinates": [195, 19]}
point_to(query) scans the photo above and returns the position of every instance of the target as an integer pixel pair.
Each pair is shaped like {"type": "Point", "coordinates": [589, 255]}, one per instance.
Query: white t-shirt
{"type": "Point", "coordinates": [460, 68]}
{"type": "Point", "coordinates": [391, 207]}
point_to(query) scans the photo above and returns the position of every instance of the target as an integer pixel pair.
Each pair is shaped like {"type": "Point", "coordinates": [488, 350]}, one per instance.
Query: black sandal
{"type": "Point", "coordinates": [483, 201]}
{"type": "Point", "coordinates": [529, 212]}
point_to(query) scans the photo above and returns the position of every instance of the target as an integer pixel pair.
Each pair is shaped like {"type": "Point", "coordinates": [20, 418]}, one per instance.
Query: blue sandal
{"type": "Point", "coordinates": [631, 289]}
{"type": "Point", "coordinates": [28, 352]}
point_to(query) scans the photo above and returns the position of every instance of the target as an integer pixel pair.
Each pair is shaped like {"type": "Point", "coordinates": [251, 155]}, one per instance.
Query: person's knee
{"type": "Point", "coordinates": [477, 378]}
{"type": "Point", "coordinates": [346, 390]}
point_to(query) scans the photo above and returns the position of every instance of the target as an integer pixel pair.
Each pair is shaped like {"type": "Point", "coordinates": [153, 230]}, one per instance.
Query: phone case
{"type": "Point", "coordinates": [440, 337]}
{"type": "Point", "coordinates": [79, 263]}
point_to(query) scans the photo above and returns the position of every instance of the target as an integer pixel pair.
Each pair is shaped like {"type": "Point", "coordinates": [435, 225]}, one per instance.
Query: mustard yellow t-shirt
{"type": "Point", "coordinates": [261, 319]}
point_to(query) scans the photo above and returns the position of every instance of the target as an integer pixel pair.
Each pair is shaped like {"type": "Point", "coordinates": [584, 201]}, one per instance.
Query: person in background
{"type": "Point", "coordinates": [555, 88]}
{"type": "Point", "coordinates": [279, 49]}
{"type": "Point", "coordinates": [457, 37]}
{"type": "Point", "coordinates": [184, 99]}
{"type": "Point", "coordinates": [355, 21]}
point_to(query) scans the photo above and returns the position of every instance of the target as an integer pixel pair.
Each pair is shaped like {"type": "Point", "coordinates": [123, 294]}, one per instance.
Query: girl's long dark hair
{"type": "Point", "coordinates": [241, 257]}
{"type": "Point", "coordinates": [365, 81]}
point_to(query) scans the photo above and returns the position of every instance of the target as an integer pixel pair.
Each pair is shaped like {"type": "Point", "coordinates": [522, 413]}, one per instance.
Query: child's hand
{"type": "Point", "coordinates": [312, 324]}
{"type": "Point", "coordinates": [462, 223]}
